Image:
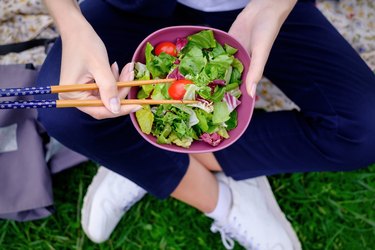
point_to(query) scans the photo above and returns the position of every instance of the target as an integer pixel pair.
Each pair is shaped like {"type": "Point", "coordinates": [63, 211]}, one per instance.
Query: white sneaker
{"type": "Point", "coordinates": [107, 199]}
{"type": "Point", "coordinates": [255, 219]}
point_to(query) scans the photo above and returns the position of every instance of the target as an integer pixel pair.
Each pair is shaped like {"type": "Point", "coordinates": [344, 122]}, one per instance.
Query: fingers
{"type": "Point", "coordinates": [258, 58]}
{"type": "Point", "coordinates": [100, 113]}
{"type": "Point", "coordinates": [108, 88]}
{"type": "Point", "coordinates": [115, 70]}
{"type": "Point", "coordinates": [127, 74]}
{"type": "Point", "coordinates": [258, 61]}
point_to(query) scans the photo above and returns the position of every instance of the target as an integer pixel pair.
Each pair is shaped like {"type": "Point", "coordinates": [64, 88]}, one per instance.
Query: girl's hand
{"type": "Point", "coordinates": [85, 59]}
{"type": "Point", "coordinates": [127, 74]}
{"type": "Point", "coordinates": [256, 27]}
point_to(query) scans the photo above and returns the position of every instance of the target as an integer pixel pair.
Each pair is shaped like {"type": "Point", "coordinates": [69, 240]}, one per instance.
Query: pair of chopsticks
{"type": "Point", "coordinates": [27, 104]}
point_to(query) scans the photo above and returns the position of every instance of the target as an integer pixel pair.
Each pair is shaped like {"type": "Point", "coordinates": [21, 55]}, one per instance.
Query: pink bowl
{"type": "Point", "coordinates": [245, 109]}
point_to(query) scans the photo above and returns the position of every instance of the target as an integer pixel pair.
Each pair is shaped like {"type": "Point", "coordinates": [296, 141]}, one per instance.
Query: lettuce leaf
{"type": "Point", "coordinates": [221, 113]}
{"type": "Point", "coordinates": [145, 119]}
{"type": "Point", "coordinates": [193, 62]}
{"type": "Point", "coordinates": [159, 66]}
{"type": "Point", "coordinates": [230, 50]}
{"type": "Point", "coordinates": [203, 39]}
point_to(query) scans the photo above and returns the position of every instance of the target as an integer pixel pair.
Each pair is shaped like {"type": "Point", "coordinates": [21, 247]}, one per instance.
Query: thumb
{"type": "Point", "coordinates": [108, 89]}
{"type": "Point", "coordinates": [257, 64]}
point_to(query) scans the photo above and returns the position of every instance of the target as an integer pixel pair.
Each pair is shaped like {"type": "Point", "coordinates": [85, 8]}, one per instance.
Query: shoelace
{"type": "Point", "coordinates": [228, 233]}
{"type": "Point", "coordinates": [227, 238]}
{"type": "Point", "coordinates": [228, 242]}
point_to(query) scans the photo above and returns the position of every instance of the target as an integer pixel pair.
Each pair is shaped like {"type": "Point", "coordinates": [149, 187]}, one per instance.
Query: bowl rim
{"type": "Point", "coordinates": [173, 147]}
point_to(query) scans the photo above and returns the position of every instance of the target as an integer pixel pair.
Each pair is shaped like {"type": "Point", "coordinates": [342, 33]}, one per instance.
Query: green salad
{"type": "Point", "coordinates": [205, 71]}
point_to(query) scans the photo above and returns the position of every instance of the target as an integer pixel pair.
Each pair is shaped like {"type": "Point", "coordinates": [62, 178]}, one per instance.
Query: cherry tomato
{"type": "Point", "coordinates": [177, 89]}
{"type": "Point", "coordinates": [166, 47]}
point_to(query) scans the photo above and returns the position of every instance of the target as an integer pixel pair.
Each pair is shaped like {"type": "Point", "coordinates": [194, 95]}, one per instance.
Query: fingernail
{"type": "Point", "coordinates": [115, 105]}
{"type": "Point", "coordinates": [253, 89]}
{"type": "Point", "coordinates": [131, 76]}
{"type": "Point", "coordinates": [136, 108]}
{"type": "Point", "coordinates": [131, 67]}
{"type": "Point", "coordinates": [115, 65]}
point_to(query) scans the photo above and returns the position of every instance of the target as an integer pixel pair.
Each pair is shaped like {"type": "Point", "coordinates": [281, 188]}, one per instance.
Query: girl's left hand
{"type": "Point", "coordinates": [256, 28]}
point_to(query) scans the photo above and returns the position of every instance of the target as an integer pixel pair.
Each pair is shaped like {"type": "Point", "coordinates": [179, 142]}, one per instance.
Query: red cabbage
{"type": "Point", "coordinates": [181, 43]}
{"type": "Point", "coordinates": [175, 74]}
{"type": "Point", "coordinates": [213, 139]}
{"type": "Point", "coordinates": [214, 83]}
{"type": "Point", "coordinates": [231, 101]}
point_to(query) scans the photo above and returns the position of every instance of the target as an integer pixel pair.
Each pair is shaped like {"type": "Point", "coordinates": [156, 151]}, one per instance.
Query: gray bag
{"type": "Point", "coordinates": [28, 156]}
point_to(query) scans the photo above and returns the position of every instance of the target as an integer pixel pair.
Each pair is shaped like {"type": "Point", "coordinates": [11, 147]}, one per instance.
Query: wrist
{"type": "Point", "coordinates": [272, 12]}
{"type": "Point", "coordinates": [283, 4]}
{"type": "Point", "coordinates": [74, 25]}
{"type": "Point", "coordinates": [280, 8]}
{"type": "Point", "coordinates": [67, 16]}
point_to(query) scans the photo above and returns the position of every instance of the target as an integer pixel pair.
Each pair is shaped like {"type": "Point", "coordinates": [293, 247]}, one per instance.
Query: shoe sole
{"type": "Point", "coordinates": [87, 200]}
{"type": "Point", "coordinates": [277, 212]}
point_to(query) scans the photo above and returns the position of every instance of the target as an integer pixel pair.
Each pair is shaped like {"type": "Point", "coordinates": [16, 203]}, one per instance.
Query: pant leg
{"type": "Point", "coordinates": [113, 143]}
{"type": "Point", "coordinates": [335, 129]}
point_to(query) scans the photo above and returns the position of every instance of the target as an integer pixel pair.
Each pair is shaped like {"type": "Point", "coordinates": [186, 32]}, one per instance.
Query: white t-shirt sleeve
{"type": "Point", "coordinates": [214, 5]}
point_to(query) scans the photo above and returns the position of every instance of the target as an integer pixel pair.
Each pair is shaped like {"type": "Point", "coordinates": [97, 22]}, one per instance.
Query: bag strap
{"type": "Point", "coordinates": [19, 47]}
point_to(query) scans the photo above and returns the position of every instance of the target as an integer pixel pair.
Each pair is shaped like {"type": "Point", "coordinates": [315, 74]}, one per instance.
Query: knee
{"type": "Point", "coordinates": [356, 136]}
{"type": "Point", "coordinates": [356, 116]}
{"type": "Point", "coordinates": [57, 122]}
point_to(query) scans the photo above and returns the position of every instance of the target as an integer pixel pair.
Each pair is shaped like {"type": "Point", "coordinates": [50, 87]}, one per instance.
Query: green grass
{"type": "Point", "coordinates": [328, 211]}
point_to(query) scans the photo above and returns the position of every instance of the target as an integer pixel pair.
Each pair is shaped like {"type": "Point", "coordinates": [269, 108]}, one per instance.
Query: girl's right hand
{"type": "Point", "coordinates": [84, 60]}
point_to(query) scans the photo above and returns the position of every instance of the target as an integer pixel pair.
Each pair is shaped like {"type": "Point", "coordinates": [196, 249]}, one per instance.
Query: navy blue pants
{"type": "Point", "coordinates": [310, 62]}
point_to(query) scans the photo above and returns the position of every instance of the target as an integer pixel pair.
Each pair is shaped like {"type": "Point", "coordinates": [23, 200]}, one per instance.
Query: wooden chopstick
{"type": "Point", "coordinates": [96, 103]}
{"type": "Point", "coordinates": [93, 86]}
